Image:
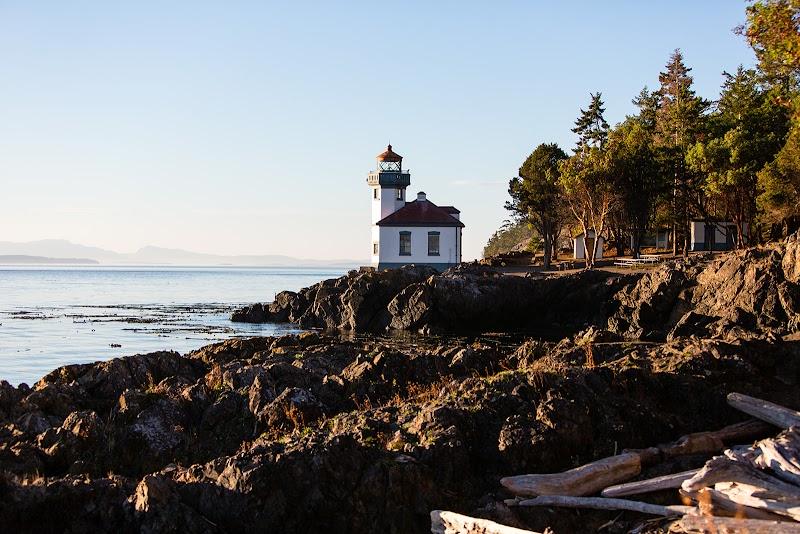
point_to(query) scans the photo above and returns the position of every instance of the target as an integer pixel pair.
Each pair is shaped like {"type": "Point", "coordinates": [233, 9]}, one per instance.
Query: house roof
{"type": "Point", "coordinates": [389, 155]}
{"type": "Point", "coordinates": [421, 213]}
{"type": "Point", "coordinates": [450, 209]}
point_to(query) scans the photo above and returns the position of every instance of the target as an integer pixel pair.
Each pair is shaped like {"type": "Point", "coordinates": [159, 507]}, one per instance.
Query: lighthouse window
{"type": "Point", "coordinates": [375, 193]}
{"type": "Point", "coordinates": [375, 249]}
{"type": "Point", "coordinates": [433, 243]}
{"type": "Point", "coordinates": [405, 243]}
{"type": "Point", "coordinates": [400, 194]}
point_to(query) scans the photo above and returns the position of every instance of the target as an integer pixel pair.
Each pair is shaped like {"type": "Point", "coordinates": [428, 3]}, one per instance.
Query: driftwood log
{"type": "Point", "coordinates": [781, 455]}
{"type": "Point", "coordinates": [596, 476]}
{"type": "Point", "coordinates": [584, 480]}
{"type": "Point", "coordinates": [712, 442]}
{"type": "Point", "coordinates": [713, 502]}
{"type": "Point", "coordinates": [770, 412]}
{"type": "Point", "coordinates": [443, 522]}
{"type": "Point", "coordinates": [647, 486]}
{"type": "Point", "coordinates": [723, 469]}
{"type": "Point", "coordinates": [601, 503]}
{"type": "Point", "coordinates": [745, 485]}
{"type": "Point", "coordinates": [729, 525]}
{"type": "Point", "coordinates": [760, 498]}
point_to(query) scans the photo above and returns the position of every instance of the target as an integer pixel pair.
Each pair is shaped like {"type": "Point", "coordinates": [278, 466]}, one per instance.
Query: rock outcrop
{"type": "Point", "coordinates": [311, 433]}
{"type": "Point", "coordinates": [355, 302]}
{"type": "Point", "coordinates": [752, 292]}
{"type": "Point", "coordinates": [466, 298]}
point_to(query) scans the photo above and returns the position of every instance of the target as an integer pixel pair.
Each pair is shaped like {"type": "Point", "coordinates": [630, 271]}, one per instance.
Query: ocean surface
{"type": "Point", "coordinates": [52, 315]}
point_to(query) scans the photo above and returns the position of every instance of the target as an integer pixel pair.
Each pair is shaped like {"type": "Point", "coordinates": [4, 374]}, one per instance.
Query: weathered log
{"type": "Point", "coordinates": [584, 480]}
{"type": "Point", "coordinates": [742, 453]}
{"type": "Point", "coordinates": [602, 503]}
{"type": "Point", "coordinates": [711, 442]}
{"type": "Point", "coordinates": [714, 502]}
{"type": "Point", "coordinates": [647, 486]}
{"type": "Point", "coordinates": [781, 455]}
{"type": "Point", "coordinates": [443, 522]}
{"type": "Point", "coordinates": [730, 525]}
{"type": "Point", "coordinates": [722, 469]}
{"type": "Point", "coordinates": [770, 412]}
{"type": "Point", "coordinates": [762, 498]}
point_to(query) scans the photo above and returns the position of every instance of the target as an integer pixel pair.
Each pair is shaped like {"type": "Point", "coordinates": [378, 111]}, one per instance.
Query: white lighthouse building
{"type": "Point", "coordinates": [417, 232]}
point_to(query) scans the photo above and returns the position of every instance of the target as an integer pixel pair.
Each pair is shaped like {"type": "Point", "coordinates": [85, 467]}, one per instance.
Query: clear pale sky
{"type": "Point", "coordinates": [249, 127]}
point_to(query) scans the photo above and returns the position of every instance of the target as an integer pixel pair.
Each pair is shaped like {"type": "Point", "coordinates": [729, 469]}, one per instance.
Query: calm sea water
{"type": "Point", "coordinates": [53, 316]}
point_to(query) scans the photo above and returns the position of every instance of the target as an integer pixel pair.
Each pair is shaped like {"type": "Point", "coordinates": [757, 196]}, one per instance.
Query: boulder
{"type": "Point", "coordinates": [293, 409]}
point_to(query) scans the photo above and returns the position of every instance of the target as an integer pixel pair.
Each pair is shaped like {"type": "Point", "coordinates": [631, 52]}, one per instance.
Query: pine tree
{"type": "Point", "coordinates": [679, 120]}
{"type": "Point", "coordinates": [647, 101]}
{"type": "Point", "coordinates": [591, 126]}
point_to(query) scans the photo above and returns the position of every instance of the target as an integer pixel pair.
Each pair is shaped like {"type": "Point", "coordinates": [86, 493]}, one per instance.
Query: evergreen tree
{"type": "Point", "coordinates": [679, 120]}
{"type": "Point", "coordinates": [647, 101]}
{"type": "Point", "coordinates": [591, 127]}
{"type": "Point", "coordinates": [773, 30]}
{"type": "Point", "coordinates": [536, 195]}
{"type": "Point", "coordinates": [585, 179]}
{"type": "Point", "coordinates": [748, 129]}
{"type": "Point", "coordinates": [636, 176]}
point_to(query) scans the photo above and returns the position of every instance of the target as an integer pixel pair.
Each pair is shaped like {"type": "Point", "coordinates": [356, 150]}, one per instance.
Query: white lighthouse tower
{"type": "Point", "coordinates": [417, 232]}
{"type": "Point", "coordinates": [388, 183]}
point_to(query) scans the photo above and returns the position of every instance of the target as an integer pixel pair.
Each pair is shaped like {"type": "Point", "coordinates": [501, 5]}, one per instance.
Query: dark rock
{"type": "Point", "coordinates": [691, 324]}
{"type": "Point", "coordinates": [255, 313]}
{"type": "Point", "coordinates": [293, 409]}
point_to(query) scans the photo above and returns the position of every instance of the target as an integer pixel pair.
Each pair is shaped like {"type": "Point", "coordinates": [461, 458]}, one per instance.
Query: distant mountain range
{"type": "Point", "coordinates": [62, 251]}
{"type": "Point", "coordinates": [18, 259]}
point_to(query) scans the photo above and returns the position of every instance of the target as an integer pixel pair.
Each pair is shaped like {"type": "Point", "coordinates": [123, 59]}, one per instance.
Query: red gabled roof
{"type": "Point", "coordinates": [421, 213]}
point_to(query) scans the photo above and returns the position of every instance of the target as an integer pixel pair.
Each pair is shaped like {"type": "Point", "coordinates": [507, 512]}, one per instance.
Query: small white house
{"type": "Point", "coordinates": [713, 235]}
{"type": "Point", "coordinates": [417, 232]}
{"type": "Point", "coordinates": [577, 245]}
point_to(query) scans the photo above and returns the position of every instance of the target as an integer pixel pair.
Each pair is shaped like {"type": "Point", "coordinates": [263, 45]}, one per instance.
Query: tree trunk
{"type": "Point", "coordinates": [587, 254]}
{"type": "Point", "coordinates": [548, 247]}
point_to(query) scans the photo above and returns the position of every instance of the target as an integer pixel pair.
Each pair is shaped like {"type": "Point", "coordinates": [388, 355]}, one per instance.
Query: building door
{"type": "Point", "coordinates": [589, 247]}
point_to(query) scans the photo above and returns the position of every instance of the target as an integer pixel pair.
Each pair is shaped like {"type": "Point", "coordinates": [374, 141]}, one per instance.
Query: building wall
{"type": "Point", "coordinates": [376, 237]}
{"type": "Point", "coordinates": [577, 245]}
{"type": "Point", "coordinates": [698, 236]}
{"type": "Point", "coordinates": [386, 203]}
{"type": "Point", "coordinates": [389, 253]}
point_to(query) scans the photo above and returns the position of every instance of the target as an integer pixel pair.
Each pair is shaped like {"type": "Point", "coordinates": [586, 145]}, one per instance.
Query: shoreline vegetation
{"type": "Point", "coordinates": [348, 429]}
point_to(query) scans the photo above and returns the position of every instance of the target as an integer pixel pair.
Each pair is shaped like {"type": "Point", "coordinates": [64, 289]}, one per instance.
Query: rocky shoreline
{"type": "Point", "coordinates": [753, 292]}
{"type": "Point", "coordinates": [370, 430]}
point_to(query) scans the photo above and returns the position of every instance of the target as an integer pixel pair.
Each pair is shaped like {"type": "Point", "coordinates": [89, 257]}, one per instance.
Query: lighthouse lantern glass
{"type": "Point", "coordinates": [389, 166]}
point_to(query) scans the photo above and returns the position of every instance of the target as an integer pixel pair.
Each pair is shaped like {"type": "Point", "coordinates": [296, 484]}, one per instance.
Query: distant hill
{"type": "Point", "coordinates": [58, 248]}
{"type": "Point", "coordinates": [22, 259]}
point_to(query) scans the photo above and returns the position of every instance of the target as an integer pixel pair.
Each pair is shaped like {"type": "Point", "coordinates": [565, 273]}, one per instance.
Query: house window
{"type": "Point", "coordinates": [375, 193]}
{"type": "Point", "coordinates": [433, 243]}
{"type": "Point", "coordinates": [375, 249]}
{"type": "Point", "coordinates": [405, 243]}
{"type": "Point", "coordinates": [400, 194]}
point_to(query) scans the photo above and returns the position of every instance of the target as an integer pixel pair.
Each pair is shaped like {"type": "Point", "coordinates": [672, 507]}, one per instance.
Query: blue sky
{"type": "Point", "coordinates": [249, 127]}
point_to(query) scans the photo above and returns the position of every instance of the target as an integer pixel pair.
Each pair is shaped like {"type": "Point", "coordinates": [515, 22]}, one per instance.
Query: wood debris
{"type": "Point", "coordinates": [744, 488]}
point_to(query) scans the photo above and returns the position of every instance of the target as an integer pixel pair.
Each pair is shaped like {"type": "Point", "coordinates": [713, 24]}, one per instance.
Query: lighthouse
{"type": "Point", "coordinates": [417, 232]}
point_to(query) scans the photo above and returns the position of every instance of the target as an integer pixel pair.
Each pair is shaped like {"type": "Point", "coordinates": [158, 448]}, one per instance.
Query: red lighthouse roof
{"type": "Point", "coordinates": [389, 155]}
{"type": "Point", "coordinates": [421, 213]}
